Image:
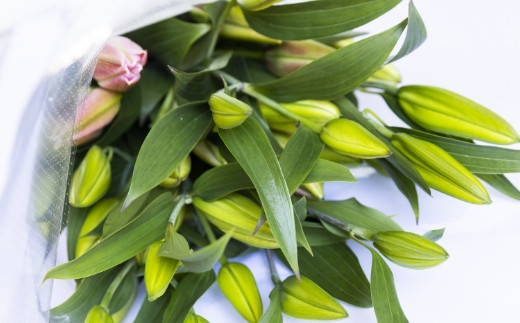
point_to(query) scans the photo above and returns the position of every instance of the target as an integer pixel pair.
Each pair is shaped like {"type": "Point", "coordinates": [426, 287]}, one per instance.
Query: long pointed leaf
{"type": "Point", "coordinates": [502, 184]}
{"type": "Point", "coordinates": [249, 145]}
{"type": "Point", "coordinates": [415, 35]}
{"type": "Point", "coordinates": [404, 184]}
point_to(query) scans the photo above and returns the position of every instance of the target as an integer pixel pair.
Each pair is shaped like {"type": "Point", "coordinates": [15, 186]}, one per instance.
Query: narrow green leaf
{"type": "Point", "coordinates": [273, 314]}
{"type": "Point", "coordinates": [175, 245]}
{"type": "Point", "coordinates": [339, 72]}
{"type": "Point", "coordinates": [300, 212]}
{"type": "Point", "coordinates": [404, 184]}
{"type": "Point", "coordinates": [336, 269]}
{"type": "Point", "coordinates": [327, 171]}
{"type": "Point", "coordinates": [249, 145]}
{"type": "Point", "coordinates": [190, 288]}
{"type": "Point", "coordinates": [169, 40]}
{"type": "Point", "coordinates": [148, 227]}
{"type": "Point", "coordinates": [316, 19]}
{"type": "Point", "coordinates": [501, 184]}
{"type": "Point", "coordinates": [384, 296]}
{"type": "Point", "coordinates": [299, 157]}
{"type": "Point", "coordinates": [476, 158]}
{"type": "Point", "coordinates": [153, 311]}
{"type": "Point", "coordinates": [89, 293]}
{"type": "Point", "coordinates": [198, 86]}
{"type": "Point", "coordinates": [123, 296]}
{"type": "Point", "coordinates": [392, 102]}
{"type": "Point", "coordinates": [74, 223]}
{"type": "Point", "coordinates": [353, 215]}
{"type": "Point", "coordinates": [415, 35]}
{"type": "Point", "coordinates": [434, 235]}
{"type": "Point", "coordinates": [169, 141]}
{"type": "Point", "coordinates": [317, 235]}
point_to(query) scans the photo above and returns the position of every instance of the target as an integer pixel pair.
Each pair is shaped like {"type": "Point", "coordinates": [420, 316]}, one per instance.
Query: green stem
{"type": "Point", "coordinates": [116, 282]}
{"type": "Point", "coordinates": [180, 201]}
{"type": "Point", "coordinates": [379, 124]}
{"type": "Point", "coordinates": [387, 87]}
{"type": "Point", "coordinates": [249, 90]}
{"type": "Point", "coordinates": [218, 27]}
{"type": "Point", "coordinates": [211, 236]}
{"type": "Point", "coordinates": [122, 154]}
{"type": "Point", "coordinates": [352, 230]}
{"type": "Point", "coordinates": [272, 268]}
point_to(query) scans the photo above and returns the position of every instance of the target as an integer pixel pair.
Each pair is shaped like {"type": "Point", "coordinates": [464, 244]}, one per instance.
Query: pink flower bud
{"type": "Point", "coordinates": [99, 109]}
{"type": "Point", "coordinates": [119, 64]}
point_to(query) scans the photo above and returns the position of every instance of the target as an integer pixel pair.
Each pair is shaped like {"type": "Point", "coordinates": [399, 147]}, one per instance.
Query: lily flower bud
{"type": "Point", "coordinates": [91, 180]}
{"type": "Point", "coordinates": [98, 110]}
{"type": "Point", "coordinates": [315, 111]}
{"type": "Point", "coordinates": [409, 249]}
{"type": "Point", "coordinates": [120, 64]}
{"type": "Point", "coordinates": [352, 139]}
{"type": "Point", "coordinates": [94, 217]}
{"type": "Point", "coordinates": [449, 113]}
{"type": "Point", "coordinates": [316, 189]}
{"type": "Point", "coordinates": [306, 300]}
{"type": "Point", "coordinates": [209, 152]}
{"type": "Point", "coordinates": [239, 286]}
{"type": "Point", "coordinates": [256, 5]}
{"type": "Point", "coordinates": [179, 174]}
{"type": "Point", "coordinates": [228, 112]}
{"type": "Point", "coordinates": [386, 74]}
{"type": "Point", "coordinates": [194, 318]}
{"type": "Point", "coordinates": [236, 27]}
{"type": "Point", "coordinates": [158, 271]}
{"type": "Point", "coordinates": [440, 170]}
{"type": "Point", "coordinates": [235, 211]}
{"type": "Point", "coordinates": [292, 55]}
{"type": "Point", "coordinates": [98, 314]}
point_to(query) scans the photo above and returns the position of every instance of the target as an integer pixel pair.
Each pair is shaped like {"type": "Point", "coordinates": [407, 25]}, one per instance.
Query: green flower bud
{"type": "Point", "coordinates": [449, 113]}
{"type": "Point", "coordinates": [352, 139]}
{"type": "Point", "coordinates": [255, 5]}
{"type": "Point", "coordinates": [316, 189]}
{"type": "Point", "coordinates": [386, 74]}
{"type": "Point", "coordinates": [409, 249]}
{"type": "Point", "coordinates": [209, 152]}
{"type": "Point", "coordinates": [228, 112]}
{"type": "Point", "coordinates": [235, 211]}
{"type": "Point", "coordinates": [316, 112]}
{"type": "Point", "coordinates": [237, 28]}
{"type": "Point", "coordinates": [92, 178]}
{"type": "Point", "coordinates": [158, 271]}
{"type": "Point", "coordinates": [306, 300]}
{"type": "Point", "coordinates": [98, 314]}
{"type": "Point", "coordinates": [239, 286]}
{"type": "Point", "coordinates": [194, 318]}
{"type": "Point", "coordinates": [292, 55]}
{"type": "Point", "coordinates": [440, 170]}
{"type": "Point", "coordinates": [179, 174]}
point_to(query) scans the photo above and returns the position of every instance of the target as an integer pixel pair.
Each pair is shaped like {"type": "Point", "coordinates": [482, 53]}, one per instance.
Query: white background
{"type": "Point", "coordinates": [472, 48]}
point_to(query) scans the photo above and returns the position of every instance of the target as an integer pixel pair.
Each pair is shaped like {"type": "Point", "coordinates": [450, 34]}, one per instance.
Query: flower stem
{"type": "Point", "coordinates": [272, 268]}
{"type": "Point", "coordinates": [387, 87]}
{"type": "Point", "coordinates": [211, 236]}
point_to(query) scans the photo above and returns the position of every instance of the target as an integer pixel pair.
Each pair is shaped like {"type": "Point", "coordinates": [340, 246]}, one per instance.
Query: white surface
{"type": "Point", "coordinates": [472, 48]}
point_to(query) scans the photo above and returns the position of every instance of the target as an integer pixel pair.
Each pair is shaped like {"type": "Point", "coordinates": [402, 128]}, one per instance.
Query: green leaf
{"type": "Point", "coordinates": [299, 157]}
{"type": "Point", "coordinates": [476, 158]}
{"type": "Point", "coordinates": [327, 171]}
{"type": "Point", "coordinates": [74, 223]}
{"type": "Point", "coordinates": [336, 269]}
{"type": "Point", "coordinates": [338, 72]}
{"type": "Point", "coordinates": [89, 293]}
{"type": "Point", "coordinates": [501, 184]}
{"type": "Point", "coordinates": [384, 296]}
{"type": "Point", "coordinates": [249, 145]}
{"type": "Point", "coordinates": [352, 215]}
{"type": "Point", "coordinates": [169, 40]}
{"type": "Point", "coordinates": [317, 235]}
{"type": "Point", "coordinates": [316, 19]}
{"type": "Point", "coordinates": [273, 314]}
{"type": "Point", "coordinates": [124, 295]}
{"type": "Point", "coordinates": [153, 311]}
{"type": "Point", "coordinates": [434, 235]}
{"type": "Point", "coordinates": [205, 258]}
{"type": "Point", "coordinates": [169, 141]}
{"type": "Point", "coordinates": [404, 184]}
{"type": "Point", "coordinates": [198, 86]}
{"type": "Point", "coordinates": [148, 227]}
{"type": "Point", "coordinates": [175, 245]}
{"type": "Point", "coordinates": [190, 288]}
{"type": "Point", "coordinates": [415, 35]}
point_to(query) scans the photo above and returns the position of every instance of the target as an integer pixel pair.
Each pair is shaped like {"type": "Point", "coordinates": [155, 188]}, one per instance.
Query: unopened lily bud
{"type": "Point", "coordinates": [235, 211]}
{"type": "Point", "coordinates": [228, 112]}
{"type": "Point", "coordinates": [120, 64]}
{"type": "Point", "coordinates": [91, 180]}
{"type": "Point", "coordinates": [449, 113]}
{"type": "Point", "coordinates": [158, 271]}
{"type": "Point", "coordinates": [409, 249]}
{"type": "Point", "coordinates": [292, 55]}
{"type": "Point", "coordinates": [255, 5]}
{"type": "Point", "coordinates": [306, 300]}
{"type": "Point", "coordinates": [194, 318]}
{"type": "Point", "coordinates": [239, 286]}
{"type": "Point", "coordinates": [237, 28]}
{"type": "Point", "coordinates": [98, 110]}
{"type": "Point", "coordinates": [440, 170]}
{"type": "Point", "coordinates": [209, 152]}
{"type": "Point", "coordinates": [314, 111]}
{"type": "Point", "coordinates": [98, 314]}
{"type": "Point", "coordinates": [316, 189]}
{"type": "Point", "coordinates": [179, 174]}
{"type": "Point", "coordinates": [386, 74]}
{"type": "Point", "coordinates": [352, 139]}
{"type": "Point", "coordinates": [94, 217]}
